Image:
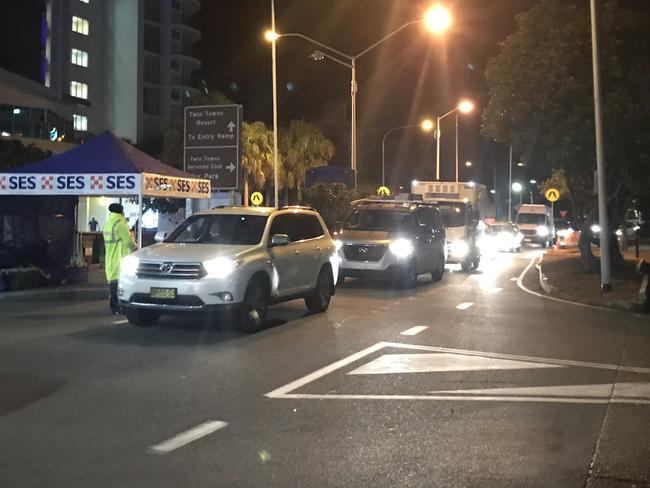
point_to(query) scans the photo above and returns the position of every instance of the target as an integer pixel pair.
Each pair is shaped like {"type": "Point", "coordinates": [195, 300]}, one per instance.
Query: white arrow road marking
{"type": "Point", "coordinates": [188, 436]}
{"type": "Point", "coordinates": [464, 305]}
{"type": "Point", "coordinates": [414, 330]}
{"type": "Point", "coordinates": [429, 363]}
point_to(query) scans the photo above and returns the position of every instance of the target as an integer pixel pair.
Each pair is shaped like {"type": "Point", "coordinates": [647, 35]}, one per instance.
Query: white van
{"type": "Point", "coordinates": [536, 224]}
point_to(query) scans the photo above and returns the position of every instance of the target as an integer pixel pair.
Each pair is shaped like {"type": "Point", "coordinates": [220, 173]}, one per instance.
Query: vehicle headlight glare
{"type": "Point", "coordinates": [459, 248]}
{"type": "Point", "coordinates": [595, 228]}
{"type": "Point", "coordinates": [338, 244]}
{"type": "Point", "coordinates": [129, 266]}
{"type": "Point", "coordinates": [219, 267]}
{"type": "Point", "coordinates": [401, 248]}
{"type": "Point", "coordinates": [542, 231]}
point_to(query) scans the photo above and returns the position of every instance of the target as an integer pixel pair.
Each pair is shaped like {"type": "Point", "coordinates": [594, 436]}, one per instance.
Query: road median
{"type": "Point", "coordinates": [561, 276]}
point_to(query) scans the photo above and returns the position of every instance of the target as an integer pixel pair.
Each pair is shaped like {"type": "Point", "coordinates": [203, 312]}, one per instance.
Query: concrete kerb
{"type": "Point", "coordinates": [543, 279]}
{"type": "Point", "coordinates": [55, 293]}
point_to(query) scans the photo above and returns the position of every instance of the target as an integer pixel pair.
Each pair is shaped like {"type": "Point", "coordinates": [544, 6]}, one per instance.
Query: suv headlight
{"type": "Point", "coordinates": [129, 266]}
{"type": "Point", "coordinates": [219, 267]}
{"type": "Point", "coordinates": [402, 248]}
{"type": "Point", "coordinates": [542, 231]}
{"type": "Point", "coordinates": [338, 244]}
{"type": "Point", "coordinates": [459, 248]}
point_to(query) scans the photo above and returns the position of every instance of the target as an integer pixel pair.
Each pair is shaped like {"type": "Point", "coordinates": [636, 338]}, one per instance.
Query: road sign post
{"type": "Point", "coordinates": [552, 195]}
{"type": "Point", "coordinates": [212, 144]}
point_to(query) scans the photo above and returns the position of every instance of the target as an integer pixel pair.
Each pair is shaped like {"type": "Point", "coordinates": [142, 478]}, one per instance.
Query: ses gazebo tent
{"type": "Point", "coordinates": [104, 166]}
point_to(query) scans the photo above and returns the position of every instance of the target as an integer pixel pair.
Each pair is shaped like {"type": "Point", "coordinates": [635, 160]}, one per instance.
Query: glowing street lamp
{"type": "Point", "coordinates": [464, 107]}
{"type": "Point", "coordinates": [426, 125]}
{"type": "Point", "coordinates": [437, 19]}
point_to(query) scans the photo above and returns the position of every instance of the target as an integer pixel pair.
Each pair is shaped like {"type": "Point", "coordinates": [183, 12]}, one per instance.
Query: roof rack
{"type": "Point", "coordinates": [297, 207]}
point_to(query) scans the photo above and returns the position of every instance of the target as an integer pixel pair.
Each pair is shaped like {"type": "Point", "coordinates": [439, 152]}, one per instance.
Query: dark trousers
{"type": "Point", "coordinates": [112, 296]}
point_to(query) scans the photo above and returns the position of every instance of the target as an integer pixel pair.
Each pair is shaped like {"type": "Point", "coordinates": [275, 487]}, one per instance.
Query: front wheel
{"type": "Point", "coordinates": [340, 279]}
{"type": "Point", "coordinates": [253, 308]}
{"type": "Point", "coordinates": [437, 274]}
{"type": "Point", "coordinates": [320, 299]}
{"type": "Point", "coordinates": [142, 318]}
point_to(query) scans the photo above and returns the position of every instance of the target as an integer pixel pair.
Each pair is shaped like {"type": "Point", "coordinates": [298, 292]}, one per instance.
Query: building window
{"type": "Point", "coordinates": [151, 100]}
{"type": "Point", "coordinates": [176, 35]}
{"type": "Point", "coordinates": [152, 69]}
{"type": "Point", "coordinates": [152, 38]}
{"type": "Point", "coordinates": [176, 5]}
{"type": "Point", "coordinates": [85, 1]}
{"type": "Point", "coordinates": [80, 122]}
{"type": "Point", "coordinates": [79, 90]}
{"type": "Point", "coordinates": [79, 57]}
{"type": "Point", "coordinates": [175, 65]}
{"type": "Point", "coordinates": [80, 25]}
{"type": "Point", "coordinates": [176, 95]}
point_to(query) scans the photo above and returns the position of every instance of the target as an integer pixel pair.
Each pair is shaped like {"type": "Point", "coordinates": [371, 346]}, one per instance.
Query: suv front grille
{"type": "Point", "coordinates": [364, 252]}
{"type": "Point", "coordinates": [180, 300]}
{"type": "Point", "coordinates": [528, 232]}
{"type": "Point", "coordinates": [171, 271]}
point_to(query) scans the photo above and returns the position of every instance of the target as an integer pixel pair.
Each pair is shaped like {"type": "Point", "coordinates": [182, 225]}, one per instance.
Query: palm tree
{"type": "Point", "coordinates": [257, 155]}
{"type": "Point", "coordinates": [304, 147]}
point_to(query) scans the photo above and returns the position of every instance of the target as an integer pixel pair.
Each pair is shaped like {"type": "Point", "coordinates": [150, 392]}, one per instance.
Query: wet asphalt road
{"type": "Point", "coordinates": [490, 387]}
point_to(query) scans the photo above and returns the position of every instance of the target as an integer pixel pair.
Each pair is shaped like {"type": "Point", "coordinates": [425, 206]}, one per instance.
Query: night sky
{"type": "Point", "coordinates": [409, 77]}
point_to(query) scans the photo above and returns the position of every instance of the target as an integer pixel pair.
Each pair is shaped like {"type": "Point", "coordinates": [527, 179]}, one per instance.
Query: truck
{"type": "Point", "coordinates": [463, 205]}
{"type": "Point", "coordinates": [536, 224]}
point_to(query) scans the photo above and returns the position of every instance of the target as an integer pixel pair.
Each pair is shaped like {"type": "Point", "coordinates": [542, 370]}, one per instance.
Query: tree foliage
{"type": "Point", "coordinates": [303, 147]}
{"type": "Point", "coordinates": [332, 200]}
{"type": "Point", "coordinates": [14, 153]}
{"type": "Point", "coordinates": [541, 97]}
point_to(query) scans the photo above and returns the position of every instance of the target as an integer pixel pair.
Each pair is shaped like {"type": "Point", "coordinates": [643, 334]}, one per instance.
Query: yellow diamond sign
{"type": "Point", "coordinates": [552, 195]}
{"type": "Point", "coordinates": [257, 198]}
{"type": "Point", "coordinates": [383, 191]}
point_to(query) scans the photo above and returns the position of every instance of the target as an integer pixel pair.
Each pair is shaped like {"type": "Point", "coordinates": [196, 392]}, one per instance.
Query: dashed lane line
{"type": "Point", "coordinates": [414, 330]}
{"type": "Point", "coordinates": [191, 435]}
{"type": "Point", "coordinates": [464, 305]}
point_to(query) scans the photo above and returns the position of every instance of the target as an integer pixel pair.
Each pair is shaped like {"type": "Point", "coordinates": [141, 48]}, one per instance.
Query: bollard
{"type": "Point", "coordinates": [644, 268]}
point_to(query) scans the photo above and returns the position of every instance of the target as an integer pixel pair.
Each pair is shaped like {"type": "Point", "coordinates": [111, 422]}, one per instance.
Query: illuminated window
{"type": "Point", "coordinates": [80, 122]}
{"type": "Point", "coordinates": [79, 57]}
{"type": "Point", "coordinates": [78, 90]}
{"type": "Point", "coordinates": [80, 25]}
{"type": "Point", "coordinates": [85, 1]}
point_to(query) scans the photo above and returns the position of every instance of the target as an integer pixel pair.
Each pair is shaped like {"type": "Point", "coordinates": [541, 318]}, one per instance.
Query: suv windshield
{"type": "Point", "coordinates": [453, 214]}
{"type": "Point", "coordinates": [381, 220]}
{"type": "Point", "coordinates": [497, 228]}
{"type": "Point", "coordinates": [530, 218]}
{"type": "Point", "coordinates": [220, 229]}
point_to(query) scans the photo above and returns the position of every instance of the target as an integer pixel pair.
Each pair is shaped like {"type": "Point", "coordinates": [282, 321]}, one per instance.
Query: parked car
{"type": "Point", "coordinates": [235, 259]}
{"type": "Point", "coordinates": [398, 240]}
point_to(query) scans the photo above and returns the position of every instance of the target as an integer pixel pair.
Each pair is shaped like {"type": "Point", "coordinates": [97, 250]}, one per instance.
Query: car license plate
{"type": "Point", "coordinates": [165, 293]}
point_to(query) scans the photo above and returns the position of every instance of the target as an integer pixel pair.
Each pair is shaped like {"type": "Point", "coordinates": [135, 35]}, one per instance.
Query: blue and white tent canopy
{"type": "Point", "coordinates": [104, 166]}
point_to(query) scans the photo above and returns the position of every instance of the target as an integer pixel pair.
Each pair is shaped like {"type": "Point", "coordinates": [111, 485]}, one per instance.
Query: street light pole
{"type": "Point", "coordinates": [275, 106]}
{"type": "Point", "coordinates": [464, 106]}
{"type": "Point", "coordinates": [353, 116]}
{"type": "Point", "coordinates": [510, 188]}
{"type": "Point", "coordinates": [456, 147]}
{"type": "Point", "coordinates": [603, 221]}
{"type": "Point", "coordinates": [438, 148]}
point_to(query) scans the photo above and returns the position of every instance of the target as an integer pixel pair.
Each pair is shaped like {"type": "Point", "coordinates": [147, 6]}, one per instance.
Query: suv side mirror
{"type": "Point", "coordinates": [279, 240]}
{"type": "Point", "coordinates": [160, 236]}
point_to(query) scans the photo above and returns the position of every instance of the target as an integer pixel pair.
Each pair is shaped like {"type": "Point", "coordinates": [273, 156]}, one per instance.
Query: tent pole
{"type": "Point", "coordinates": [140, 220]}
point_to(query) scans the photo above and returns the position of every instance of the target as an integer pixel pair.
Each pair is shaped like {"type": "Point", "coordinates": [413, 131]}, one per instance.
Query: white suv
{"type": "Point", "coordinates": [239, 259]}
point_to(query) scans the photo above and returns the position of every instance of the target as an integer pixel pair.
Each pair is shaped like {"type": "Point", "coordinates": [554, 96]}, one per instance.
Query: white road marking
{"type": "Point", "coordinates": [430, 363]}
{"type": "Point", "coordinates": [464, 305]}
{"type": "Point", "coordinates": [520, 284]}
{"type": "Point", "coordinates": [624, 393]}
{"type": "Point", "coordinates": [494, 291]}
{"type": "Point", "coordinates": [600, 390]}
{"type": "Point", "coordinates": [121, 321]}
{"type": "Point", "coordinates": [188, 436]}
{"type": "Point", "coordinates": [514, 278]}
{"type": "Point", "coordinates": [414, 330]}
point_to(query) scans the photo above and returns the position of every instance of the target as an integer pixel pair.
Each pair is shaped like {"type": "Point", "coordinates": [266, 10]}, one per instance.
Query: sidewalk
{"type": "Point", "coordinates": [565, 279]}
{"type": "Point", "coordinates": [94, 289]}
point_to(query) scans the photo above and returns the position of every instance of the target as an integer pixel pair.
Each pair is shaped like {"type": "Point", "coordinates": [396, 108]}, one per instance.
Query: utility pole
{"type": "Point", "coordinates": [605, 265]}
{"type": "Point", "coordinates": [510, 189]}
{"type": "Point", "coordinates": [275, 107]}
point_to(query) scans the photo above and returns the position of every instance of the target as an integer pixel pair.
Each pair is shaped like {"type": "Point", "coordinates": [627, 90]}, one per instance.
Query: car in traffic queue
{"type": "Point", "coordinates": [536, 223]}
{"type": "Point", "coordinates": [502, 236]}
{"type": "Point", "coordinates": [232, 259]}
{"type": "Point", "coordinates": [399, 240]}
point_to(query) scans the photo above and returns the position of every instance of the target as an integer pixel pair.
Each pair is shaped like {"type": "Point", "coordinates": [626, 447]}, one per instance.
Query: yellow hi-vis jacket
{"type": "Point", "coordinates": [118, 243]}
